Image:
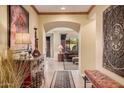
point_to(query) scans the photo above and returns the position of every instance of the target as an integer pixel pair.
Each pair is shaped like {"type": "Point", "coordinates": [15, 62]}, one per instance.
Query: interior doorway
{"type": "Point", "coordinates": [62, 43]}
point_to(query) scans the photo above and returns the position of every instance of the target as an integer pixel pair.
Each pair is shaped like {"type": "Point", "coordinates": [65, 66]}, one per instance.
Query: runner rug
{"type": "Point", "coordinates": [62, 79]}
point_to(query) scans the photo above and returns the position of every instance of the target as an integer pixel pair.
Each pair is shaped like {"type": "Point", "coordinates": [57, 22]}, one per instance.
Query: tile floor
{"type": "Point", "coordinates": [51, 66]}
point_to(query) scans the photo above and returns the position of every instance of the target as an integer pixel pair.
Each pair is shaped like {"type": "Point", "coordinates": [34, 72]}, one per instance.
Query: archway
{"type": "Point", "coordinates": [63, 28]}
{"type": "Point", "coordinates": [72, 25]}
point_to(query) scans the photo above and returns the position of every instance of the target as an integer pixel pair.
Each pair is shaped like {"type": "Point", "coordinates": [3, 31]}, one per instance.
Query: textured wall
{"type": "Point", "coordinates": [3, 29]}
{"type": "Point", "coordinates": [113, 30]}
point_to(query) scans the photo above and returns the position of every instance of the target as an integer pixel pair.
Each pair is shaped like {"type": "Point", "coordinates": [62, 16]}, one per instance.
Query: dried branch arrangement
{"type": "Point", "coordinates": [12, 74]}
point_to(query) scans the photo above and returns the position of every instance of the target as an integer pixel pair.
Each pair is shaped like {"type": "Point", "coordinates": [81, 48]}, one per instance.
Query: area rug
{"type": "Point", "coordinates": [62, 79]}
{"type": "Point", "coordinates": [70, 66]}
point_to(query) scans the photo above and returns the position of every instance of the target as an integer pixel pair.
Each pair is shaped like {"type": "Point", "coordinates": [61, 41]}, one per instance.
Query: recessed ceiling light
{"type": "Point", "coordinates": [62, 8]}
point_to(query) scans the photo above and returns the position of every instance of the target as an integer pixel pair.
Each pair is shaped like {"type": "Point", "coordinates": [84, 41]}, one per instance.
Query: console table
{"type": "Point", "coordinates": [24, 67]}
{"type": "Point", "coordinates": [60, 57]}
{"type": "Point", "coordinates": [28, 66]}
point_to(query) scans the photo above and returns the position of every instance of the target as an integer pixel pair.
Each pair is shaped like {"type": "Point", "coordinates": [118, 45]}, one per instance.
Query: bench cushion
{"type": "Point", "coordinates": [101, 80]}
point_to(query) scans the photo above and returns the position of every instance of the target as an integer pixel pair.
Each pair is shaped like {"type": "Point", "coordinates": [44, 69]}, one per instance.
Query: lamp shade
{"type": "Point", "coordinates": [60, 47]}
{"type": "Point", "coordinates": [23, 38]}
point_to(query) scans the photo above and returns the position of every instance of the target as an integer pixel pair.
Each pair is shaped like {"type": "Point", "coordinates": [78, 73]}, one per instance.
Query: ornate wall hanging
{"type": "Point", "coordinates": [113, 30]}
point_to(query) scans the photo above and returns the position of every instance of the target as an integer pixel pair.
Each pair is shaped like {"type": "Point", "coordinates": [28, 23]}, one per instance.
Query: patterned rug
{"type": "Point", "coordinates": [62, 79]}
{"type": "Point", "coordinates": [70, 66]}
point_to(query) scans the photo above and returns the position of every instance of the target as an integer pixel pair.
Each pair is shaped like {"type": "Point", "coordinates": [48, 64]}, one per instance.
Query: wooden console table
{"type": "Point", "coordinates": [60, 57]}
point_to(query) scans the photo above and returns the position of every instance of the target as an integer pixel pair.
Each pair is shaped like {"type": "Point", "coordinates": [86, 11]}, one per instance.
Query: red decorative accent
{"type": "Point", "coordinates": [25, 67]}
{"type": "Point", "coordinates": [101, 80]}
{"type": "Point", "coordinates": [60, 57]}
{"type": "Point", "coordinates": [27, 81]}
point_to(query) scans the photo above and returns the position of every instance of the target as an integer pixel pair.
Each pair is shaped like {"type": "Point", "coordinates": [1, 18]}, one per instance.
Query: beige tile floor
{"type": "Point", "coordinates": [51, 66]}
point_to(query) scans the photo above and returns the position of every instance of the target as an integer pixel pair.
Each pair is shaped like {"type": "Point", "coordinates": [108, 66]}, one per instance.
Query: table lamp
{"type": "Point", "coordinates": [23, 38]}
{"type": "Point", "coordinates": [60, 47]}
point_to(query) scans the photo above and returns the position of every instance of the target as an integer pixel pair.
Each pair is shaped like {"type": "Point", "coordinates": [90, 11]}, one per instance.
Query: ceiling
{"type": "Point", "coordinates": [56, 9]}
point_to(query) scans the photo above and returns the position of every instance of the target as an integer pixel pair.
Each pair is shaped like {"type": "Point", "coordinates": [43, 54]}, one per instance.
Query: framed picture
{"type": "Point", "coordinates": [18, 22]}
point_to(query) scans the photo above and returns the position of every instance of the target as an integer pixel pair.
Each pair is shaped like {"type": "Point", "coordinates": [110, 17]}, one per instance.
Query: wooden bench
{"type": "Point", "coordinates": [100, 80]}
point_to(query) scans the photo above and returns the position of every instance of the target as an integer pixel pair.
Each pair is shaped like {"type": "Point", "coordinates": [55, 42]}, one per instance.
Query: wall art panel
{"type": "Point", "coordinates": [18, 22]}
{"type": "Point", "coordinates": [113, 33]}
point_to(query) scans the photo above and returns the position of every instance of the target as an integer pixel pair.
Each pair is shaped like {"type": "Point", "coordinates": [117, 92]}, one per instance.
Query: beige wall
{"type": "Point", "coordinates": [56, 43]}
{"type": "Point", "coordinates": [52, 18]}
{"type": "Point", "coordinates": [99, 45]}
{"type": "Point", "coordinates": [88, 43]}
{"type": "Point", "coordinates": [86, 37]}
{"type": "Point", "coordinates": [3, 29]}
{"type": "Point", "coordinates": [33, 22]}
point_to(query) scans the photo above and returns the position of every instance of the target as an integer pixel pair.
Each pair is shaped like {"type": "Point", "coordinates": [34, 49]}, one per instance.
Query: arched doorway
{"type": "Point", "coordinates": [64, 35]}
